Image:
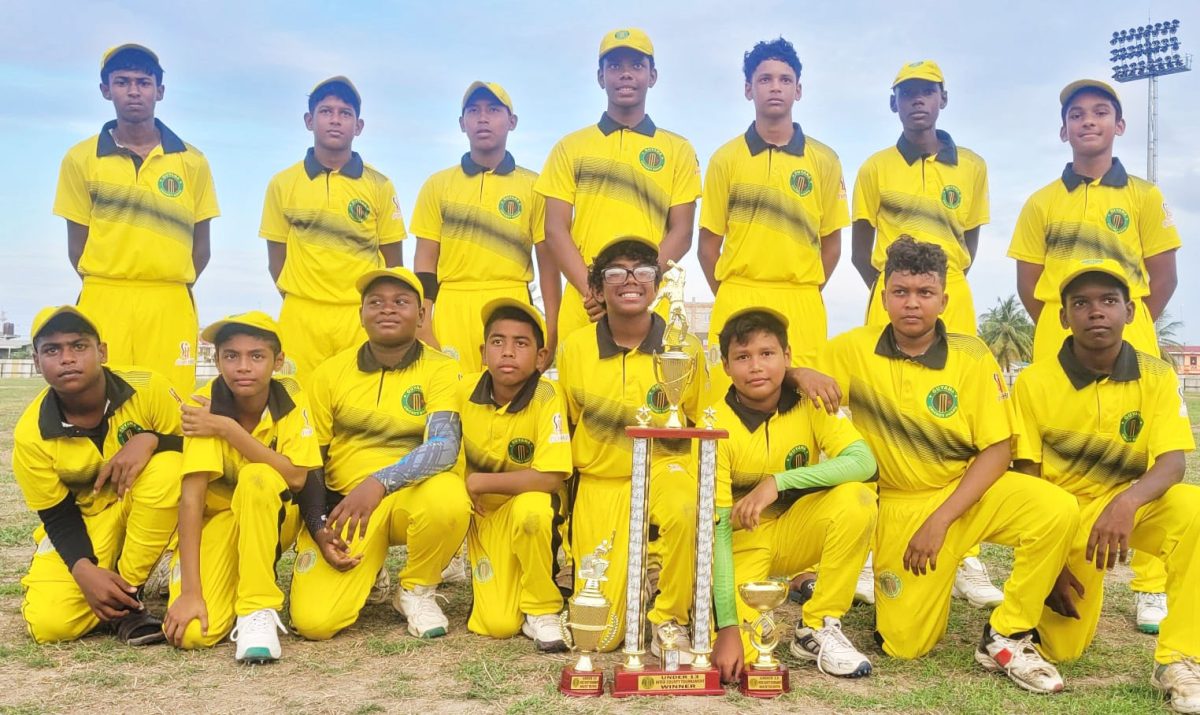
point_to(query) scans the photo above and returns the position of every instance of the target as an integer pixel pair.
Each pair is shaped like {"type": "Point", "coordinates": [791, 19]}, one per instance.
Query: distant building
{"type": "Point", "coordinates": [699, 317]}
{"type": "Point", "coordinates": [1186, 359]}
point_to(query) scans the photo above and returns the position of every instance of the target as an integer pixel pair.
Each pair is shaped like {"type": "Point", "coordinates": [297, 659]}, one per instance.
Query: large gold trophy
{"type": "Point", "coordinates": [674, 367]}
{"type": "Point", "coordinates": [766, 677]}
{"type": "Point", "coordinates": [588, 625]}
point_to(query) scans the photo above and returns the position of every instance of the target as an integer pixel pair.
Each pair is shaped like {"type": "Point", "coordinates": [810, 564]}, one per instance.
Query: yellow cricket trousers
{"type": "Point", "coordinates": [960, 307]}
{"type": "Point", "coordinates": [457, 319]}
{"type": "Point", "coordinates": [312, 331]}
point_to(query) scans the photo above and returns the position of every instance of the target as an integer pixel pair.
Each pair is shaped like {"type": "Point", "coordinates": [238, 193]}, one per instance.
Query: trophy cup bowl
{"type": "Point", "coordinates": [674, 369]}
{"type": "Point", "coordinates": [588, 625]}
{"type": "Point", "coordinates": [765, 677]}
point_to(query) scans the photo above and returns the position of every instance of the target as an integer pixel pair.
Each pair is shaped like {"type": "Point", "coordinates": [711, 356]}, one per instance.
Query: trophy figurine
{"type": "Point", "coordinates": [676, 365]}
{"type": "Point", "coordinates": [584, 624]}
{"type": "Point", "coordinates": [766, 677]}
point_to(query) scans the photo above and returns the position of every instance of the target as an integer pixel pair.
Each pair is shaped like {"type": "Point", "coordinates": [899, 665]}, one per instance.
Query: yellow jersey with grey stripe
{"type": "Point", "coordinates": [370, 415]}
{"type": "Point", "coordinates": [528, 432]}
{"type": "Point", "coordinates": [140, 213]}
{"type": "Point", "coordinates": [620, 180]}
{"type": "Point", "coordinates": [285, 426]}
{"type": "Point", "coordinates": [925, 418]}
{"type": "Point", "coordinates": [605, 385]}
{"type": "Point", "coordinates": [485, 221]}
{"type": "Point", "coordinates": [1094, 434]}
{"type": "Point", "coordinates": [52, 458]}
{"type": "Point", "coordinates": [1075, 217]}
{"type": "Point", "coordinates": [773, 204]}
{"type": "Point", "coordinates": [934, 198]}
{"type": "Point", "coordinates": [333, 222]}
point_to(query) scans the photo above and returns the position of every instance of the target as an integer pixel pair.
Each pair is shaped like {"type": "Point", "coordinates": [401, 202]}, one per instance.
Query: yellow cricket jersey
{"type": "Point", "coordinates": [1096, 433]}
{"type": "Point", "coordinates": [486, 221]}
{"type": "Point", "coordinates": [284, 427]}
{"type": "Point", "coordinates": [140, 214]}
{"type": "Point", "coordinates": [530, 432]}
{"type": "Point", "coordinates": [620, 180]}
{"type": "Point", "coordinates": [761, 445]}
{"type": "Point", "coordinates": [333, 223]}
{"type": "Point", "coordinates": [773, 205]}
{"type": "Point", "coordinates": [924, 418]}
{"type": "Point", "coordinates": [52, 458]}
{"type": "Point", "coordinates": [1076, 217]}
{"type": "Point", "coordinates": [934, 198]}
{"type": "Point", "coordinates": [370, 416]}
{"type": "Point", "coordinates": [605, 385]}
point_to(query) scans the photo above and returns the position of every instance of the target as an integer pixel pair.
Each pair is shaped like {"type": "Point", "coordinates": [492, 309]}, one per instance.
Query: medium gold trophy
{"type": "Point", "coordinates": [588, 625]}
{"type": "Point", "coordinates": [675, 367]}
{"type": "Point", "coordinates": [766, 677]}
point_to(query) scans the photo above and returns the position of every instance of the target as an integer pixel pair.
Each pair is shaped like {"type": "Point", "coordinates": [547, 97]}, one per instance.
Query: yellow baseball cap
{"type": "Point", "coordinates": [339, 79]}
{"type": "Point", "coordinates": [630, 37]}
{"type": "Point", "coordinates": [399, 273]}
{"type": "Point", "coordinates": [621, 239]}
{"type": "Point", "coordinates": [759, 309]}
{"type": "Point", "coordinates": [252, 319]}
{"type": "Point", "coordinates": [493, 305]}
{"type": "Point", "coordinates": [1094, 265]}
{"type": "Point", "coordinates": [921, 69]}
{"type": "Point", "coordinates": [1069, 92]}
{"type": "Point", "coordinates": [45, 315]}
{"type": "Point", "coordinates": [112, 51]}
{"type": "Point", "coordinates": [492, 88]}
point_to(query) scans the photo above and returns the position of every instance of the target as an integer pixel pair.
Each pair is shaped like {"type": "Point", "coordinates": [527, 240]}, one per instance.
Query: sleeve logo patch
{"type": "Point", "coordinates": [559, 435]}
{"type": "Point", "coordinates": [801, 182]}
{"type": "Point", "coordinates": [942, 401]}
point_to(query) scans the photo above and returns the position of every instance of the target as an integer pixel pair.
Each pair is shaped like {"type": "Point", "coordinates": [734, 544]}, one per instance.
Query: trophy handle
{"type": "Point", "coordinates": [614, 622]}
{"type": "Point", "coordinates": [563, 626]}
{"type": "Point", "coordinates": [765, 642]}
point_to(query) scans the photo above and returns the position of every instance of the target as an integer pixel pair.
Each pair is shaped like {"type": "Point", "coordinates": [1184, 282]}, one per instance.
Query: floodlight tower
{"type": "Point", "coordinates": [1143, 53]}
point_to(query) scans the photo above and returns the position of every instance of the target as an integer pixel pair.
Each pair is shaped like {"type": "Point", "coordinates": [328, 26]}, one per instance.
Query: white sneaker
{"type": "Point", "coordinates": [457, 571]}
{"type": "Point", "coordinates": [545, 631]}
{"type": "Point", "coordinates": [381, 587]}
{"type": "Point", "coordinates": [682, 643]}
{"type": "Point", "coordinates": [159, 582]}
{"type": "Point", "coordinates": [864, 590]}
{"type": "Point", "coordinates": [1180, 682]}
{"type": "Point", "coordinates": [257, 636]}
{"type": "Point", "coordinates": [1020, 660]}
{"type": "Point", "coordinates": [830, 649]}
{"type": "Point", "coordinates": [973, 583]}
{"type": "Point", "coordinates": [1151, 609]}
{"type": "Point", "coordinates": [419, 606]}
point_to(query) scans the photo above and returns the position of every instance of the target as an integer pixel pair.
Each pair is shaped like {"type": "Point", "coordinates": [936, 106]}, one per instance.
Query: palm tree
{"type": "Point", "coordinates": [1008, 332]}
{"type": "Point", "coordinates": [1167, 330]}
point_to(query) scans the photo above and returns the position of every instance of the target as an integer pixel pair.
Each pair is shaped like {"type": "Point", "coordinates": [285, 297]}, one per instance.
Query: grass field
{"type": "Point", "coordinates": [374, 667]}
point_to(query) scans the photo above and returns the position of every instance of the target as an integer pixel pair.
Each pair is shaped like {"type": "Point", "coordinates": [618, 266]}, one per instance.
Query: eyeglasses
{"type": "Point", "coordinates": [618, 275]}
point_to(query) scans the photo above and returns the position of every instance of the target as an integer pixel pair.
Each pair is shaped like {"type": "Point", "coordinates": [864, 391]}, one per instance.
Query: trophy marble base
{"type": "Point", "coordinates": [657, 681]}
{"type": "Point", "coordinates": [756, 683]}
{"type": "Point", "coordinates": [581, 683]}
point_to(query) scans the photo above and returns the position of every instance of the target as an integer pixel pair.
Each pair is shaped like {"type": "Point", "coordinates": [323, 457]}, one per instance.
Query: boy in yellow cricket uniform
{"type": "Point", "coordinates": [96, 455]}
{"type": "Point", "coordinates": [793, 508]}
{"type": "Point", "coordinates": [478, 225]}
{"type": "Point", "coordinates": [138, 201]}
{"type": "Point", "coordinates": [607, 374]}
{"type": "Point", "coordinates": [622, 176]}
{"type": "Point", "coordinates": [327, 220]}
{"type": "Point", "coordinates": [934, 408]}
{"type": "Point", "coordinates": [1105, 422]}
{"type": "Point", "coordinates": [518, 452]}
{"type": "Point", "coordinates": [391, 398]}
{"type": "Point", "coordinates": [248, 445]}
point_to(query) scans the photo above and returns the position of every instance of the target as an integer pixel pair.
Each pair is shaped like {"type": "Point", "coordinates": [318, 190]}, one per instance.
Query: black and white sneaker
{"type": "Point", "coordinates": [830, 649]}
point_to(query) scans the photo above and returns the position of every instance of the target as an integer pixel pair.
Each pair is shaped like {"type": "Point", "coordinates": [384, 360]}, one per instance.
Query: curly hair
{"type": "Point", "coordinates": [908, 255]}
{"type": "Point", "coordinates": [743, 326]}
{"type": "Point", "coordinates": [777, 49]}
{"type": "Point", "coordinates": [631, 249]}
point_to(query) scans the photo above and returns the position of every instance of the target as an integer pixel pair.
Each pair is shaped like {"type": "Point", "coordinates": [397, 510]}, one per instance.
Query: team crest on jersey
{"type": "Point", "coordinates": [510, 206]}
{"type": "Point", "coordinates": [306, 560]}
{"type": "Point", "coordinates": [652, 159]}
{"type": "Point", "coordinates": [942, 401]}
{"type": "Point", "coordinates": [798, 457]}
{"type": "Point", "coordinates": [483, 571]}
{"type": "Point", "coordinates": [1131, 426]}
{"type": "Point", "coordinates": [801, 182]}
{"type": "Point", "coordinates": [951, 196]}
{"type": "Point", "coordinates": [1117, 220]}
{"type": "Point", "coordinates": [413, 401]}
{"type": "Point", "coordinates": [170, 184]}
{"type": "Point", "coordinates": [890, 584]}
{"type": "Point", "coordinates": [128, 430]}
{"type": "Point", "coordinates": [656, 399]}
{"type": "Point", "coordinates": [520, 450]}
{"type": "Point", "coordinates": [358, 210]}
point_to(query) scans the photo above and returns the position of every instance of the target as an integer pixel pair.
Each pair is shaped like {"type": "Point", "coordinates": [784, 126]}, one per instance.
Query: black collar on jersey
{"type": "Point", "coordinates": [608, 125]}
{"type": "Point", "coordinates": [368, 363]}
{"type": "Point", "coordinates": [757, 145]}
{"type": "Point", "coordinates": [752, 418]}
{"type": "Point", "coordinates": [651, 344]}
{"type": "Point", "coordinates": [1116, 176]}
{"type": "Point", "coordinates": [947, 152]}
{"type": "Point", "coordinates": [106, 145]}
{"type": "Point", "coordinates": [52, 423]}
{"type": "Point", "coordinates": [482, 395]}
{"type": "Point", "coordinates": [353, 169]}
{"type": "Point", "coordinates": [934, 358]}
{"type": "Point", "coordinates": [279, 402]}
{"type": "Point", "coordinates": [506, 165]}
{"type": "Point", "coordinates": [1125, 369]}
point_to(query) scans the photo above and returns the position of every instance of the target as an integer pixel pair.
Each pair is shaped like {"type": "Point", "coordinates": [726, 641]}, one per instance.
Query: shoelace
{"type": "Point", "coordinates": [1191, 673]}
{"type": "Point", "coordinates": [546, 624]}
{"type": "Point", "coordinates": [836, 638]}
{"type": "Point", "coordinates": [426, 604]}
{"type": "Point", "coordinates": [1026, 652]}
{"type": "Point", "coordinates": [978, 577]}
{"type": "Point", "coordinates": [1154, 600]}
{"type": "Point", "coordinates": [259, 621]}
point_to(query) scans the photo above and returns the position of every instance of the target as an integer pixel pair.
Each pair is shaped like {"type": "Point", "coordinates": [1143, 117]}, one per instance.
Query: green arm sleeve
{"type": "Point", "coordinates": [855, 463]}
{"type": "Point", "coordinates": [723, 596]}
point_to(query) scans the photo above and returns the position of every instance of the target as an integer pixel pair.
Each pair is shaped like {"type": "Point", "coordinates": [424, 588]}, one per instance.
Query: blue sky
{"type": "Point", "coordinates": [237, 75]}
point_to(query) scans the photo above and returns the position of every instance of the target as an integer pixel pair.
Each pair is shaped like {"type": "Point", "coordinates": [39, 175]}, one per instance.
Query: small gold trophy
{"type": "Point", "coordinates": [766, 677]}
{"type": "Point", "coordinates": [584, 624]}
{"type": "Point", "coordinates": [676, 365]}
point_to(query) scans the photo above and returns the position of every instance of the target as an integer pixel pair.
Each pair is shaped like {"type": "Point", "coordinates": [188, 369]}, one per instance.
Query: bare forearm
{"type": "Point", "coordinates": [518, 482]}
{"type": "Point", "coordinates": [257, 452]}
{"type": "Point", "coordinates": [549, 283]}
{"type": "Point", "coordinates": [201, 247]}
{"type": "Point", "coordinates": [191, 518]}
{"type": "Point", "coordinates": [276, 257]}
{"type": "Point", "coordinates": [862, 243]}
{"type": "Point", "coordinates": [678, 239]}
{"type": "Point", "coordinates": [77, 235]}
{"type": "Point", "coordinates": [562, 244]}
{"type": "Point", "coordinates": [1028, 275]}
{"type": "Point", "coordinates": [979, 477]}
{"type": "Point", "coordinates": [1166, 473]}
{"type": "Point", "coordinates": [971, 238]}
{"type": "Point", "coordinates": [709, 252]}
{"type": "Point", "coordinates": [1164, 277]}
{"type": "Point", "coordinates": [831, 253]}
{"type": "Point", "coordinates": [393, 254]}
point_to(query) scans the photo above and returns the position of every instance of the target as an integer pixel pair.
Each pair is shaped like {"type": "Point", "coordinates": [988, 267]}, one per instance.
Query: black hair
{"type": "Point", "coordinates": [743, 326]}
{"type": "Point", "coordinates": [777, 49]}
{"type": "Point", "coordinates": [334, 89]}
{"type": "Point", "coordinates": [1093, 277]}
{"type": "Point", "coordinates": [229, 332]}
{"type": "Point", "coordinates": [646, 57]}
{"type": "Point", "coordinates": [908, 255]}
{"type": "Point", "coordinates": [508, 312]}
{"type": "Point", "coordinates": [1091, 90]}
{"type": "Point", "coordinates": [626, 248]}
{"type": "Point", "coordinates": [65, 323]}
{"type": "Point", "coordinates": [131, 58]}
